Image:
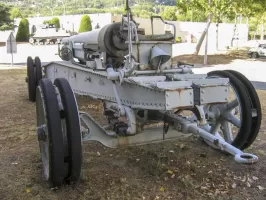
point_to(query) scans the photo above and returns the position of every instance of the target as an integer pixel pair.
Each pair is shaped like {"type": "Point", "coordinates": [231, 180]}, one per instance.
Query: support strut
{"type": "Point", "coordinates": [186, 126]}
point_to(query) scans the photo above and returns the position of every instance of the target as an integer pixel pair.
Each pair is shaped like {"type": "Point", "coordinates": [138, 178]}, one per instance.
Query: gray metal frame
{"type": "Point", "coordinates": [141, 86]}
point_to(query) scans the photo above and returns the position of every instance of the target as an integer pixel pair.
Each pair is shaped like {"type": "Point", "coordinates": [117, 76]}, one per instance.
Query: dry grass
{"type": "Point", "coordinates": [185, 169]}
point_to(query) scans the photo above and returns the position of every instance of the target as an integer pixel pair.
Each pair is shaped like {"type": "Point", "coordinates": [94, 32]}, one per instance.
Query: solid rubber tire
{"type": "Point", "coordinates": [31, 79]}
{"type": "Point", "coordinates": [38, 69]}
{"type": "Point", "coordinates": [243, 95]}
{"type": "Point", "coordinates": [56, 150]}
{"type": "Point", "coordinates": [255, 103]}
{"type": "Point", "coordinates": [71, 116]}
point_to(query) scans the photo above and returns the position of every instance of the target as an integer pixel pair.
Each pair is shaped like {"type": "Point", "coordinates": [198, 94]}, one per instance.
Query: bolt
{"type": "Point", "coordinates": [202, 91]}
{"type": "Point", "coordinates": [226, 89]}
{"type": "Point", "coordinates": [190, 93]}
{"type": "Point", "coordinates": [41, 133]}
{"type": "Point", "coordinates": [191, 102]}
{"type": "Point", "coordinates": [226, 99]}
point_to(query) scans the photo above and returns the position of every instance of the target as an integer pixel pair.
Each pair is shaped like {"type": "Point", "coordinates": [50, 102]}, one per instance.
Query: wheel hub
{"type": "Point", "coordinates": [41, 133]}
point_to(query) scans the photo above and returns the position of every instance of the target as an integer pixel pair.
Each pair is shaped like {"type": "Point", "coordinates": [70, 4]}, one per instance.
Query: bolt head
{"type": "Point", "coordinates": [41, 133]}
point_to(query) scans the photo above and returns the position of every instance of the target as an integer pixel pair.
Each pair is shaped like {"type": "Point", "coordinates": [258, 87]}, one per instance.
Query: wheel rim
{"type": "Point", "coordinates": [223, 126]}
{"type": "Point", "coordinates": [244, 122]}
{"type": "Point", "coordinates": [71, 128]}
{"type": "Point", "coordinates": [255, 104]}
{"type": "Point", "coordinates": [31, 80]}
{"type": "Point", "coordinates": [42, 126]}
{"type": "Point", "coordinates": [38, 69]}
{"type": "Point", "coordinates": [49, 132]}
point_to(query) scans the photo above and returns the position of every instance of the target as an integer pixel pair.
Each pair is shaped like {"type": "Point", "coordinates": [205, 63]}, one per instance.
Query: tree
{"type": "Point", "coordinates": [169, 13]}
{"type": "Point", "coordinates": [192, 10]}
{"type": "Point", "coordinates": [56, 22]}
{"type": "Point", "coordinates": [6, 23]}
{"type": "Point", "coordinates": [15, 13]}
{"type": "Point", "coordinates": [23, 31]}
{"type": "Point", "coordinates": [85, 24]}
{"type": "Point", "coordinates": [259, 8]}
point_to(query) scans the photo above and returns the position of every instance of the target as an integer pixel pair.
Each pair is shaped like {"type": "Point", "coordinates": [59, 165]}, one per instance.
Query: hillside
{"type": "Point", "coordinates": [142, 8]}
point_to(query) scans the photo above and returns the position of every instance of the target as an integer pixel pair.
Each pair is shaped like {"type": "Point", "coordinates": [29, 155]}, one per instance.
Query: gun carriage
{"type": "Point", "coordinates": [145, 96]}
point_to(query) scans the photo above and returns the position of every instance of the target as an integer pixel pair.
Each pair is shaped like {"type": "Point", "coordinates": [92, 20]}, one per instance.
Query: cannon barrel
{"type": "Point", "coordinates": [110, 39]}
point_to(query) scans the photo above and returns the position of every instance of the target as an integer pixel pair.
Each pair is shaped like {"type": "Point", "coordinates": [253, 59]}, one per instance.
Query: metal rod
{"type": "Point", "coordinates": [120, 106]}
{"type": "Point", "coordinates": [179, 70]}
{"type": "Point", "coordinates": [186, 126]}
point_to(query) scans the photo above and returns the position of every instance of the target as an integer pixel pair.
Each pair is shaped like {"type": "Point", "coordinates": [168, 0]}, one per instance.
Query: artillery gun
{"type": "Point", "coordinates": [146, 98]}
{"type": "Point", "coordinates": [48, 35]}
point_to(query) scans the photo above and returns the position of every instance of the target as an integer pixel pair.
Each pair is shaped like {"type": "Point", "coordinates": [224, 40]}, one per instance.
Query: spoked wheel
{"type": "Point", "coordinates": [31, 79]}
{"type": "Point", "coordinates": [49, 131]}
{"type": "Point", "coordinates": [70, 118]}
{"type": "Point", "coordinates": [233, 120]}
{"type": "Point", "coordinates": [38, 69]}
{"type": "Point", "coordinates": [255, 106]}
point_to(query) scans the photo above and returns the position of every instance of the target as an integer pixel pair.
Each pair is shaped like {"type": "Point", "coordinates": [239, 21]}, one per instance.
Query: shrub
{"type": "Point", "coordinates": [46, 22]}
{"type": "Point", "coordinates": [85, 24]}
{"type": "Point", "coordinates": [23, 31]}
{"type": "Point", "coordinates": [178, 39]}
{"type": "Point", "coordinates": [56, 22]}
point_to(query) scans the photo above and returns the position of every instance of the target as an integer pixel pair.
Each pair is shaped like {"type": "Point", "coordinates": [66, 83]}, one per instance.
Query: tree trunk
{"type": "Point", "coordinates": [234, 31]}
{"type": "Point", "coordinates": [203, 35]}
{"type": "Point", "coordinates": [262, 30]}
{"type": "Point", "coordinates": [217, 36]}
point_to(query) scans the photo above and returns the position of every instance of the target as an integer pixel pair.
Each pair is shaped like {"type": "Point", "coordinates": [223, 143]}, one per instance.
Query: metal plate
{"type": "Point", "coordinates": [217, 94]}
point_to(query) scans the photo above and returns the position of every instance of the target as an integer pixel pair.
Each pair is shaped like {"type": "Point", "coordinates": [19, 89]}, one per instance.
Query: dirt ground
{"type": "Point", "coordinates": [184, 169]}
{"type": "Point", "coordinates": [223, 58]}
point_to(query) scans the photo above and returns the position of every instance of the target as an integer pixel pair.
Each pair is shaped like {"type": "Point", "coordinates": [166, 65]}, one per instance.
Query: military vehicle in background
{"type": "Point", "coordinates": [48, 34]}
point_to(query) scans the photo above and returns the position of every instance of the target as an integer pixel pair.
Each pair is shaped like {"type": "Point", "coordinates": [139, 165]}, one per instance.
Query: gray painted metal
{"type": "Point", "coordinates": [150, 135]}
{"type": "Point", "coordinates": [156, 95]}
{"type": "Point", "coordinates": [182, 128]}
{"type": "Point", "coordinates": [90, 37]}
{"type": "Point", "coordinates": [129, 75]}
{"type": "Point", "coordinates": [185, 126]}
{"type": "Point", "coordinates": [142, 53]}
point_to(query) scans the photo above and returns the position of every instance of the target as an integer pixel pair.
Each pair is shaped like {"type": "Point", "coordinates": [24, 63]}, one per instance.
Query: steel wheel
{"type": "Point", "coordinates": [38, 69]}
{"type": "Point", "coordinates": [70, 118]}
{"type": "Point", "coordinates": [31, 79]}
{"type": "Point", "coordinates": [255, 106]}
{"type": "Point", "coordinates": [49, 133]}
{"type": "Point", "coordinates": [233, 120]}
